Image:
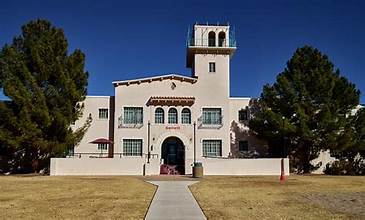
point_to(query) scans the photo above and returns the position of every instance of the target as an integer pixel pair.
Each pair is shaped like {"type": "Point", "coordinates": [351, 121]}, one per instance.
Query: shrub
{"type": "Point", "coordinates": [346, 167]}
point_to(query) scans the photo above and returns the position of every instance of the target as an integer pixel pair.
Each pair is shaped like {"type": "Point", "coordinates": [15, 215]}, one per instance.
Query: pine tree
{"type": "Point", "coordinates": [306, 109]}
{"type": "Point", "coordinates": [45, 85]}
{"type": "Point", "coordinates": [351, 142]}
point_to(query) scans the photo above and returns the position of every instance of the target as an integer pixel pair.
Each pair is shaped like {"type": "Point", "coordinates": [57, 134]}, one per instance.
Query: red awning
{"type": "Point", "coordinates": [101, 141]}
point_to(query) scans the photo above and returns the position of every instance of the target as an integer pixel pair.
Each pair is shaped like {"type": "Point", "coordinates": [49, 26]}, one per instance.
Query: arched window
{"type": "Point", "coordinates": [222, 39]}
{"type": "Point", "coordinates": [211, 39]}
{"type": "Point", "coordinates": [185, 116]}
{"type": "Point", "coordinates": [159, 116]}
{"type": "Point", "coordinates": [172, 119]}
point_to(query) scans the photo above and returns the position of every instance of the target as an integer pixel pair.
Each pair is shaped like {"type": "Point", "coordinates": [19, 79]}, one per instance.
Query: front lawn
{"type": "Point", "coordinates": [300, 197]}
{"type": "Point", "coordinates": [45, 197]}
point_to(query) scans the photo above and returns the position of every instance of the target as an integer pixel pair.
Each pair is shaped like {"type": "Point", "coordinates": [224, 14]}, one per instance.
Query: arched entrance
{"type": "Point", "coordinates": [173, 156]}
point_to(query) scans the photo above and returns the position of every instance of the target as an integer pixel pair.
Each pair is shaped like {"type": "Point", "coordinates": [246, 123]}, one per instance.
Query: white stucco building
{"type": "Point", "coordinates": [173, 119]}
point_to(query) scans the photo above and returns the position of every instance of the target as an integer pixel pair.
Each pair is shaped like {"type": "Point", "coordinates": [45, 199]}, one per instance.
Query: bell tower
{"type": "Point", "coordinates": [209, 50]}
{"type": "Point", "coordinates": [209, 39]}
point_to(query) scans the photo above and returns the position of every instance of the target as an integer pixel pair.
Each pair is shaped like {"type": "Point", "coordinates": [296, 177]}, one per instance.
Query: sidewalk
{"type": "Point", "coordinates": [173, 200]}
{"type": "Point", "coordinates": [158, 178]}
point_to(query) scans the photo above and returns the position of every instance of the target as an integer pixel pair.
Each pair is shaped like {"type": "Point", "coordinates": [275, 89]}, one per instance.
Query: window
{"type": "Point", "coordinates": [185, 116]}
{"type": "Point", "coordinates": [159, 116]}
{"type": "Point", "coordinates": [172, 119]}
{"type": "Point", "coordinates": [212, 148]}
{"type": "Point", "coordinates": [102, 146]}
{"type": "Point", "coordinates": [243, 115]}
{"type": "Point", "coordinates": [212, 116]}
{"type": "Point", "coordinates": [243, 145]}
{"type": "Point", "coordinates": [222, 39]}
{"type": "Point", "coordinates": [103, 113]}
{"type": "Point", "coordinates": [211, 39]}
{"type": "Point", "coordinates": [212, 67]}
{"type": "Point", "coordinates": [133, 115]}
{"type": "Point", "coordinates": [132, 147]}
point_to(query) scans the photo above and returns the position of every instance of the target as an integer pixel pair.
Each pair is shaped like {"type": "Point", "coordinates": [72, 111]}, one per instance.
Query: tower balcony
{"type": "Point", "coordinates": [221, 43]}
{"type": "Point", "coordinates": [211, 43]}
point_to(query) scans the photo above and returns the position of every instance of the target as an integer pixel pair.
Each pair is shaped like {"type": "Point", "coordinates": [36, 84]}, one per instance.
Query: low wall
{"type": "Point", "coordinates": [97, 166]}
{"type": "Point", "coordinates": [262, 166]}
{"type": "Point", "coordinates": [138, 166]}
{"type": "Point", "coordinates": [152, 168]}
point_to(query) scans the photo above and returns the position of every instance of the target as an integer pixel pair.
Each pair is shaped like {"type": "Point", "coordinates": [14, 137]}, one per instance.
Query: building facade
{"type": "Point", "coordinates": [175, 118]}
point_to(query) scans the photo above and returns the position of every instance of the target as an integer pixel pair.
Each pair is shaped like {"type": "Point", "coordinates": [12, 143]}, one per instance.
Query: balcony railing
{"type": "Point", "coordinates": [200, 42]}
{"type": "Point", "coordinates": [123, 124]}
{"type": "Point", "coordinates": [213, 123]}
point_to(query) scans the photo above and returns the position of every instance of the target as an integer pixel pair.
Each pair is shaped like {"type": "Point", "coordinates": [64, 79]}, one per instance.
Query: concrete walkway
{"type": "Point", "coordinates": [173, 200]}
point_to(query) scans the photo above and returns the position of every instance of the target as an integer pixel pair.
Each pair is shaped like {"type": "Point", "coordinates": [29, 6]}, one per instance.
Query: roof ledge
{"type": "Point", "coordinates": [181, 78]}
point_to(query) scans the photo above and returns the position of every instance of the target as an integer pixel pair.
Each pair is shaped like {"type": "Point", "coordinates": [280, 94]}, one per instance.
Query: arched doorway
{"type": "Point", "coordinates": [173, 156]}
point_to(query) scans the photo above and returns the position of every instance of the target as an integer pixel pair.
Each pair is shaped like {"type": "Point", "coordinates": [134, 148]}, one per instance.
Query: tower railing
{"type": "Point", "coordinates": [201, 42]}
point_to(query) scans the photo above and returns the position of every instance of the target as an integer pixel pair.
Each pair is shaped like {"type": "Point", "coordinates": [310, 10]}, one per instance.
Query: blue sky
{"type": "Point", "coordinates": [129, 39]}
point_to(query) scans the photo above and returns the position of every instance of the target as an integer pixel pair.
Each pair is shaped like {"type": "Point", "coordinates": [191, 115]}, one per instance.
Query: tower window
{"type": "Point", "coordinates": [212, 67]}
{"type": "Point", "coordinates": [222, 39]}
{"type": "Point", "coordinates": [211, 39]}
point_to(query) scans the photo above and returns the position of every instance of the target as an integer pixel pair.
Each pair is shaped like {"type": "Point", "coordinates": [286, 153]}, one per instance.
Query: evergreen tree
{"type": "Point", "coordinates": [350, 151]}
{"type": "Point", "coordinates": [44, 84]}
{"type": "Point", "coordinates": [306, 109]}
{"type": "Point", "coordinates": [351, 142]}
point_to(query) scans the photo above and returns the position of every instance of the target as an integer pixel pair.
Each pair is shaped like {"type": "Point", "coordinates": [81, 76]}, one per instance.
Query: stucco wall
{"type": "Point", "coordinates": [201, 34]}
{"type": "Point", "coordinates": [239, 131]}
{"type": "Point", "coordinates": [99, 127]}
{"type": "Point", "coordinates": [211, 90]}
{"type": "Point", "coordinates": [97, 166]}
{"type": "Point", "coordinates": [138, 165]}
{"type": "Point", "coordinates": [137, 96]}
{"type": "Point", "coordinates": [263, 166]}
{"type": "Point", "coordinates": [152, 168]}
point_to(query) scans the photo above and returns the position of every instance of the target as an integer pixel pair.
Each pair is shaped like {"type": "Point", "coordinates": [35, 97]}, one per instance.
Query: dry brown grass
{"type": "Point", "coordinates": [301, 197]}
{"type": "Point", "coordinates": [45, 197]}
